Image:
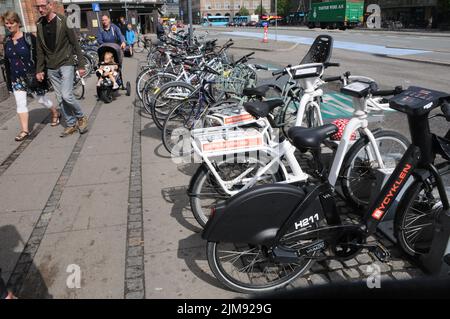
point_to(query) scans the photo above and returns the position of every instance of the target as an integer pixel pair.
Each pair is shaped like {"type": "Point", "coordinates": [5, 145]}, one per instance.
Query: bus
{"type": "Point", "coordinates": [240, 19]}
{"type": "Point", "coordinates": [215, 21]}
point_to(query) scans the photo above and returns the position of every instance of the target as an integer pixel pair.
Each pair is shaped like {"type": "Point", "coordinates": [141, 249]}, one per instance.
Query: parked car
{"type": "Point", "coordinates": [242, 24]}
{"type": "Point", "coordinates": [231, 24]}
{"type": "Point", "coordinates": [252, 24]}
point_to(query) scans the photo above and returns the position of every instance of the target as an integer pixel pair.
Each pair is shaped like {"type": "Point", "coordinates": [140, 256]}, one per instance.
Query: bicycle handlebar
{"type": "Point", "coordinates": [397, 90]}
{"type": "Point", "coordinates": [331, 64]}
{"type": "Point", "coordinates": [445, 108]}
{"type": "Point", "coordinates": [332, 79]}
{"type": "Point", "coordinates": [279, 72]}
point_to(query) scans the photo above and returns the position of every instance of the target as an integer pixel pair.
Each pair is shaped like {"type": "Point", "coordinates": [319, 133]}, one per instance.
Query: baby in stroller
{"type": "Point", "coordinates": [108, 69]}
{"type": "Point", "coordinates": [109, 72]}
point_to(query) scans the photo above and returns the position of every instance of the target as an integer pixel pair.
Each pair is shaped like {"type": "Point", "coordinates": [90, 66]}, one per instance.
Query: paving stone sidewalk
{"type": "Point", "coordinates": [111, 207]}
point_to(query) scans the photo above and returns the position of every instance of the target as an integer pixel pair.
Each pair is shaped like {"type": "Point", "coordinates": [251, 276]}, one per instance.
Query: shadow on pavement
{"type": "Point", "coordinates": [188, 169]}
{"type": "Point", "coordinates": [35, 287]}
{"type": "Point", "coordinates": [36, 116]}
{"type": "Point", "coordinates": [180, 200]}
{"type": "Point", "coordinates": [192, 255]}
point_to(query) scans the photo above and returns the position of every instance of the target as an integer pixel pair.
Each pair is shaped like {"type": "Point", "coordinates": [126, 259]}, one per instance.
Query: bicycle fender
{"type": "Point", "coordinates": [253, 216]}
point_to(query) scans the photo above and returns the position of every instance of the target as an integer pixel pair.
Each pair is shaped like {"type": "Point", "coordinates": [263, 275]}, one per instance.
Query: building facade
{"type": "Point", "coordinates": [172, 8]}
{"type": "Point", "coordinates": [411, 13]}
{"type": "Point", "coordinates": [142, 12]}
{"type": "Point", "coordinates": [201, 8]}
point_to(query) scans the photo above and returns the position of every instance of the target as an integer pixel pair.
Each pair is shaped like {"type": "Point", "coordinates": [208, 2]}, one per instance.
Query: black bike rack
{"type": "Point", "coordinates": [387, 225]}
{"type": "Point", "coordinates": [437, 261]}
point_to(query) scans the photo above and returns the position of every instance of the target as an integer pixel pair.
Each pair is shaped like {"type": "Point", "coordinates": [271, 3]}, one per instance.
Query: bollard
{"type": "Point", "coordinates": [266, 34]}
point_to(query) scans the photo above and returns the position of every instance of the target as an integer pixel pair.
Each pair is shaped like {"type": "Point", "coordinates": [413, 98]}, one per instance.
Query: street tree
{"type": "Point", "coordinates": [260, 12]}
{"type": "Point", "coordinates": [244, 11]}
{"type": "Point", "coordinates": [284, 7]}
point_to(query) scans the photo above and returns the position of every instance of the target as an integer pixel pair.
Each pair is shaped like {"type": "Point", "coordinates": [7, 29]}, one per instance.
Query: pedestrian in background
{"type": "Point", "coordinates": [160, 32]}
{"type": "Point", "coordinates": [58, 51]}
{"type": "Point", "coordinates": [123, 26]}
{"type": "Point", "coordinates": [20, 66]}
{"type": "Point", "coordinates": [130, 38]}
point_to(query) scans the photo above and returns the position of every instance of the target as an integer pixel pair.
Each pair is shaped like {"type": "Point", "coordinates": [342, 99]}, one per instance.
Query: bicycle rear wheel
{"type": "Point", "coordinates": [206, 192]}
{"type": "Point", "coordinates": [250, 268]}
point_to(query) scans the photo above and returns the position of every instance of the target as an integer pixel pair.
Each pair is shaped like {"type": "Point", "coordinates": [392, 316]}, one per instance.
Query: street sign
{"type": "Point", "coordinates": [96, 7]}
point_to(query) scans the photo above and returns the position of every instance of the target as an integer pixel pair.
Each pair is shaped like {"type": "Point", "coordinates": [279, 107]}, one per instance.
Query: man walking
{"type": "Point", "coordinates": [160, 32]}
{"type": "Point", "coordinates": [110, 33]}
{"type": "Point", "coordinates": [58, 51]}
{"type": "Point", "coordinates": [123, 26]}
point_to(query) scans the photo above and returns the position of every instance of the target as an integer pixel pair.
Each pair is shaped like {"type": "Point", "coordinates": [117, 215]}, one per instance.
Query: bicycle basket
{"type": "Point", "coordinates": [228, 84]}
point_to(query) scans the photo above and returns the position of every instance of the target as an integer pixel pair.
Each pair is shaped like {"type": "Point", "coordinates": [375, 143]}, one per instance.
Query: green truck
{"type": "Point", "coordinates": [336, 14]}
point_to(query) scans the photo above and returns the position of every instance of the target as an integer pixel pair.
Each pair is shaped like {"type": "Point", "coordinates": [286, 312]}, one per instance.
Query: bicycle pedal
{"type": "Point", "coordinates": [380, 252]}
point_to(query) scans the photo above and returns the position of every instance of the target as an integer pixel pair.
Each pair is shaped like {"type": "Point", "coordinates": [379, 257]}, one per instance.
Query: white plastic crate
{"type": "Point", "coordinates": [234, 116]}
{"type": "Point", "coordinates": [217, 141]}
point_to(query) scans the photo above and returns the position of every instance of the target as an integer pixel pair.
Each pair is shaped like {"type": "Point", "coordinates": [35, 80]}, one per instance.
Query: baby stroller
{"type": "Point", "coordinates": [105, 90]}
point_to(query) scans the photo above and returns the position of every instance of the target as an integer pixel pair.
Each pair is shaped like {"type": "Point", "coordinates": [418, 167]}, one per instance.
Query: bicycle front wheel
{"type": "Point", "coordinates": [178, 125]}
{"type": "Point", "coordinates": [153, 86]}
{"type": "Point", "coordinates": [169, 97]}
{"type": "Point", "coordinates": [415, 219]}
{"type": "Point", "coordinates": [360, 164]}
{"type": "Point", "coordinates": [78, 89]}
{"type": "Point", "coordinates": [139, 46]}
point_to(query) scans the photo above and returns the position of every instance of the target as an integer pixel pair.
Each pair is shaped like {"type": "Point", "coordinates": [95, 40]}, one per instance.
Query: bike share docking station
{"type": "Point", "coordinates": [437, 261]}
{"type": "Point", "coordinates": [387, 225]}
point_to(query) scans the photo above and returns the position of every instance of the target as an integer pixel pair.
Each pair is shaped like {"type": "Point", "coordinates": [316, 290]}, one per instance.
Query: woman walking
{"type": "Point", "coordinates": [20, 62]}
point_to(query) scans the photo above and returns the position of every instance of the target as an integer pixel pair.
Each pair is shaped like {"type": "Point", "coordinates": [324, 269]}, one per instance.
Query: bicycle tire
{"type": "Point", "coordinates": [414, 227]}
{"type": "Point", "coordinates": [78, 85]}
{"type": "Point", "coordinates": [202, 176]}
{"type": "Point", "coordinates": [351, 193]}
{"type": "Point", "coordinates": [151, 88]}
{"type": "Point", "coordinates": [162, 105]}
{"type": "Point", "coordinates": [140, 80]}
{"type": "Point", "coordinates": [139, 46]}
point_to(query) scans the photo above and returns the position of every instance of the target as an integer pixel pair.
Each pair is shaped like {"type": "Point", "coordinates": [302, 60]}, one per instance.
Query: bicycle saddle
{"type": "Point", "coordinates": [262, 109]}
{"type": "Point", "coordinates": [259, 91]}
{"type": "Point", "coordinates": [306, 138]}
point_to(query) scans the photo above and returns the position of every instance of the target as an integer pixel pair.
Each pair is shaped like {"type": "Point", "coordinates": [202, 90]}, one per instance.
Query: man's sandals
{"type": "Point", "coordinates": [22, 135]}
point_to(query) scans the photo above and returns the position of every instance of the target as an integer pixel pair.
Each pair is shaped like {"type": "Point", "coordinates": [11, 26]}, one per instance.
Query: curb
{"type": "Point", "coordinates": [293, 47]}
{"type": "Point", "coordinates": [434, 62]}
{"type": "Point", "coordinates": [423, 34]}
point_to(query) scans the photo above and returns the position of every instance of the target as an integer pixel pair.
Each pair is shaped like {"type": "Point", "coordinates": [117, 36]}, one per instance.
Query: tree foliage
{"type": "Point", "coordinates": [260, 12]}
{"type": "Point", "coordinates": [244, 11]}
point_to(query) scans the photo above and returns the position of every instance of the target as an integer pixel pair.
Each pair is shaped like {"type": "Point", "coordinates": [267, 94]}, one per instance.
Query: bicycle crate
{"type": "Point", "coordinates": [220, 140]}
{"type": "Point", "coordinates": [234, 116]}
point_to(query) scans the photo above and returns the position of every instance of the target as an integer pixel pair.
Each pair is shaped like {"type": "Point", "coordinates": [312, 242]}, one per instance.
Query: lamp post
{"type": "Point", "coordinates": [276, 20]}
{"type": "Point", "coordinates": [191, 30]}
